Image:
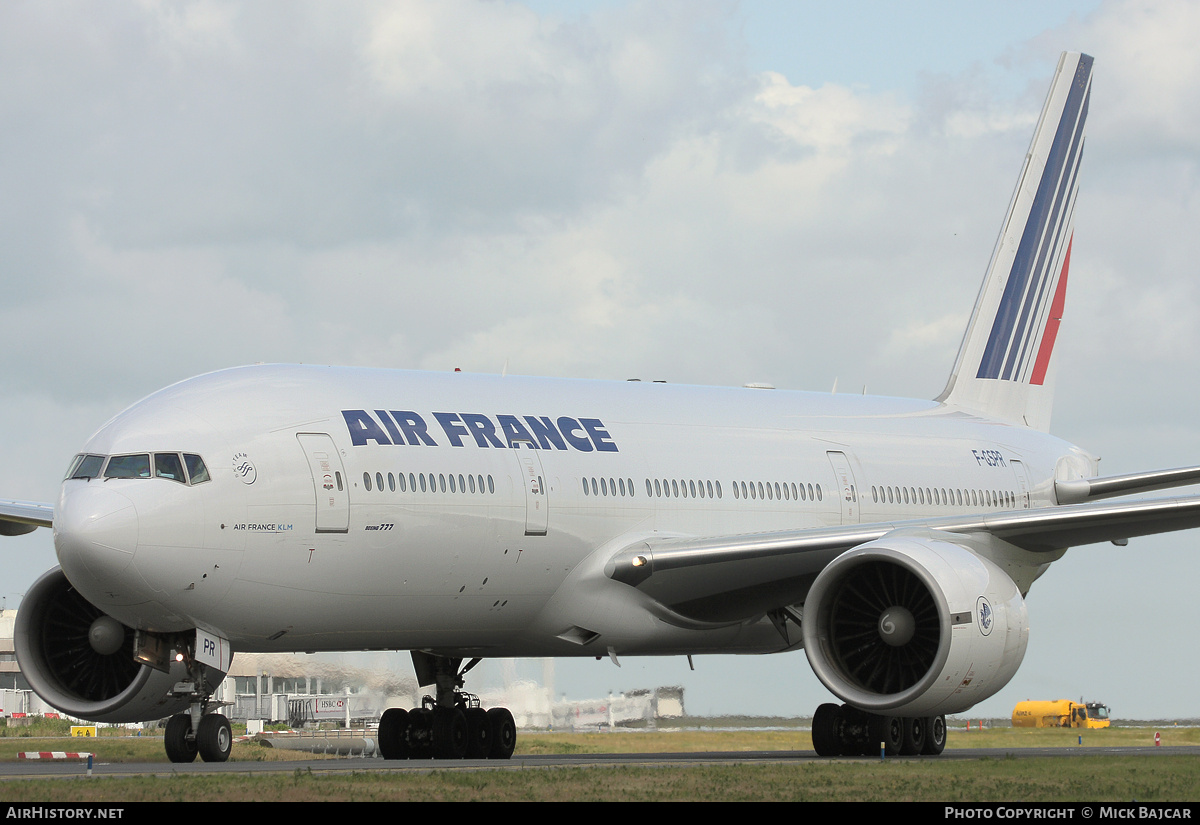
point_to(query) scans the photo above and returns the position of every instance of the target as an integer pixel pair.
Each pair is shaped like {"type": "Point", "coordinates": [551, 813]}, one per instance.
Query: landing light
{"type": "Point", "coordinates": [639, 561]}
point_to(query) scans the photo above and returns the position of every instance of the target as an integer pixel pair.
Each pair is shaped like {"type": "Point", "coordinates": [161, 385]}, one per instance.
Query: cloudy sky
{"type": "Point", "coordinates": [701, 192]}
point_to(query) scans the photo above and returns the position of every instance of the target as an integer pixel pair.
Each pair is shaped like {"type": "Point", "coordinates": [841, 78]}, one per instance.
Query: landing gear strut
{"type": "Point", "coordinates": [450, 726]}
{"type": "Point", "coordinates": [197, 731]}
{"type": "Point", "coordinates": [847, 731]}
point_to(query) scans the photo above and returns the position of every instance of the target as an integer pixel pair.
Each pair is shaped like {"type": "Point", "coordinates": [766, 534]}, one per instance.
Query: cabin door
{"type": "Point", "coordinates": [1022, 484]}
{"type": "Point", "coordinates": [847, 490]}
{"type": "Point", "coordinates": [534, 482]}
{"type": "Point", "coordinates": [329, 482]}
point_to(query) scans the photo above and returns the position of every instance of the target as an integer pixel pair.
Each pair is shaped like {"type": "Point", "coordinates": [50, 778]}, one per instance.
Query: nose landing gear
{"type": "Point", "coordinates": [197, 731]}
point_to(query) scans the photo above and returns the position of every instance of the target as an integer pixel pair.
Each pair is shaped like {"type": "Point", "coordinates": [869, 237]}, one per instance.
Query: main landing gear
{"type": "Point", "coordinates": [450, 726]}
{"type": "Point", "coordinates": [847, 731]}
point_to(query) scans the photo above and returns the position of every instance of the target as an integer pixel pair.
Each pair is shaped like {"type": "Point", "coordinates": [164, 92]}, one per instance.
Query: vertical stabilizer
{"type": "Point", "coordinates": [1003, 368]}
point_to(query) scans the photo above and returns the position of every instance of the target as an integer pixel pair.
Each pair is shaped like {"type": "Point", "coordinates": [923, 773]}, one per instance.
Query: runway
{"type": "Point", "coordinates": [48, 769]}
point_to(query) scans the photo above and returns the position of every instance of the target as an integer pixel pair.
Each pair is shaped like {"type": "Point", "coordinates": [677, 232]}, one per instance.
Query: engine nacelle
{"type": "Point", "coordinates": [913, 626]}
{"type": "Point", "coordinates": [81, 661]}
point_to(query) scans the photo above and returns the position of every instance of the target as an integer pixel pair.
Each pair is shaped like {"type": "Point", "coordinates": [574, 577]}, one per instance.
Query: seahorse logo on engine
{"type": "Point", "coordinates": [983, 615]}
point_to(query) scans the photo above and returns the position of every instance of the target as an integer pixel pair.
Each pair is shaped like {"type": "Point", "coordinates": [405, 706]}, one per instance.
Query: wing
{"type": "Point", "coordinates": [725, 578]}
{"type": "Point", "coordinates": [17, 517]}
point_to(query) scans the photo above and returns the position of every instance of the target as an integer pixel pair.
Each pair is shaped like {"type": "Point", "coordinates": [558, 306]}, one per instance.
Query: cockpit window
{"type": "Point", "coordinates": [196, 469]}
{"type": "Point", "coordinates": [86, 466]}
{"type": "Point", "coordinates": [128, 466]}
{"type": "Point", "coordinates": [138, 465]}
{"type": "Point", "coordinates": [168, 465]}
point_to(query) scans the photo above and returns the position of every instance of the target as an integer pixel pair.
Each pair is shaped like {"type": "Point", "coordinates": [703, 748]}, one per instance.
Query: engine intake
{"type": "Point", "coordinates": [80, 660]}
{"type": "Point", "coordinates": [914, 626]}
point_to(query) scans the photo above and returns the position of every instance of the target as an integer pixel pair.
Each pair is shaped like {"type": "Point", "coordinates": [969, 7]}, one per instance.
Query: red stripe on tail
{"type": "Point", "coordinates": [1056, 313]}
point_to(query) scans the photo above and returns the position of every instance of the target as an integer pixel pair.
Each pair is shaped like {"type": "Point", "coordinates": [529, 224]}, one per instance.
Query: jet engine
{"type": "Point", "coordinates": [81, 661]}
{"type": "Point", "coordinates": [914, 626]}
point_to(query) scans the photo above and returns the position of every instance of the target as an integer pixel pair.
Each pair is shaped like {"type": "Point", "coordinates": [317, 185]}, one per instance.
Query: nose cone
{"type": "Point", "coordinates": [96, 536]}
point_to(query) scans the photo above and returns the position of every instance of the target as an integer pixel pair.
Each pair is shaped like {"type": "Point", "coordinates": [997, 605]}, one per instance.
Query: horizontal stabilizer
{"type": "Point", "coordinates": [1093, 489]}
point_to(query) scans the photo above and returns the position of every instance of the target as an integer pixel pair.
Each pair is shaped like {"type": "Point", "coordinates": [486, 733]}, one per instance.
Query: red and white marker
{"type": "Point", "coordinates": [53, 755]}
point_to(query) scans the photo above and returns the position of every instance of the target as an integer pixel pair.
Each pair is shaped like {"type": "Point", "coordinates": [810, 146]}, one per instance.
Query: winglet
{"type": "Point", "coordinates": [1004, 365]}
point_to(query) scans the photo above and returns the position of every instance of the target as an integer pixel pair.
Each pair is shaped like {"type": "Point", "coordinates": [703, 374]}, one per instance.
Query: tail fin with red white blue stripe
{"type": "Point", "coordinates": [1004, 367]}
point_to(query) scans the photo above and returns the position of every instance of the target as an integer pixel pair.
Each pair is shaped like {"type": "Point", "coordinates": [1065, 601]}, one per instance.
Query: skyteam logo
{"type": "Point", "coordinates": [983, 616]}
{"type": "Point", "coordinates": [243, 468]}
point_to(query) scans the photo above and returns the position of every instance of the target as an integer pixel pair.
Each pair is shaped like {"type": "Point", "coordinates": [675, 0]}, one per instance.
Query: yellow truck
{"type": "Point", "coordinates": [1061, 713]}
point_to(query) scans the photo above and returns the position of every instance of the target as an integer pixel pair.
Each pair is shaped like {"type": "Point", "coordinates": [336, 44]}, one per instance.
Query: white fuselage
{"type": "Point", "coordinates": [433, 533]}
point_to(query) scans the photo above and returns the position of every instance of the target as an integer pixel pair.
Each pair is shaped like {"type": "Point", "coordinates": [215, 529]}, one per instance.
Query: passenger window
{"type": "Point", "coordinates": [128, 466]}
{"type": "Point", "coordinates": [168, 465]}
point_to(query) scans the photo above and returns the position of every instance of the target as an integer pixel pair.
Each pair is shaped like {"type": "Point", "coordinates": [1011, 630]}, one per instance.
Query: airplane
{"type": "Point", "coordinates": [461, 517]}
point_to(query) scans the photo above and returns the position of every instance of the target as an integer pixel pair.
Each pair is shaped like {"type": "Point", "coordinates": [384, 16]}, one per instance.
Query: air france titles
{"type": "Point", "coordinates": [466, 429]}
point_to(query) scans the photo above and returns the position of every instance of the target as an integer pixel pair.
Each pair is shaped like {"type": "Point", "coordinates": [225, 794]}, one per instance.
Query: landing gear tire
{"type": "Point", "coordinates": [180, 744]}
{"type": "Point", "coordinates": [826, 736]}
{"type": "Point", "coordinates": [914, 736]}
{"type": "Point", "coordinates": [935, 736]}
{"type": "Point", "coordinates": [504, 733]}
{"type": "Point", "coordinates": [393, 734]}
{"type": "Point", "coordinates": [479, 734]}
{"type": "Point", "coordinates": [214, 740]}
{"type": "Point", "coordinates": [888, 730]}
{"type": "Point", "coordinates": [420, 733]}
{"type": "Point", "coordinates": [449, 733]}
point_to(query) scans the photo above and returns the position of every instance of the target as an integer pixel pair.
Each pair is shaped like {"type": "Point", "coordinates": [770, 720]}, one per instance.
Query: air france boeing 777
{"type": "Point", "coordinates": [300, 508]}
